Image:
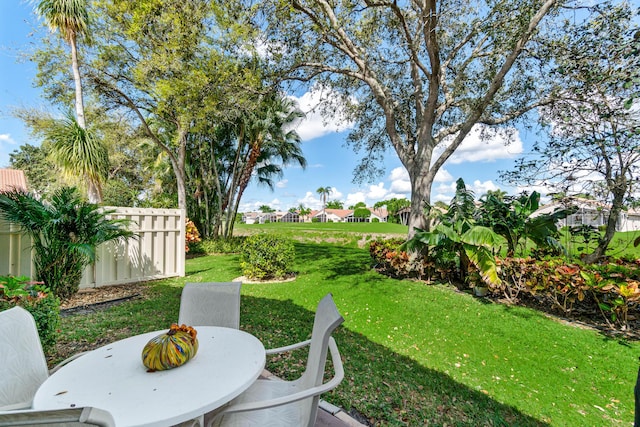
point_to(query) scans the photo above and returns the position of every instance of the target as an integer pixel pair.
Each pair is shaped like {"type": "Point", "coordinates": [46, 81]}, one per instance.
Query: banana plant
{"type": "Point", "coordinates": [512, 218]}
{"type": "Point", "coordinates": [457, 231]}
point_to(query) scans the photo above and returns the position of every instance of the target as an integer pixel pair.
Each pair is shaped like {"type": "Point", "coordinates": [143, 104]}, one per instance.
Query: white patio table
{"type": "Point", "coordinates": [113, 378]}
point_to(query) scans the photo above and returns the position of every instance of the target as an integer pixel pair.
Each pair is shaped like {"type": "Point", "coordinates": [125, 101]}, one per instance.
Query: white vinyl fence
{"type": "Point", "coordinates": [156, 252]}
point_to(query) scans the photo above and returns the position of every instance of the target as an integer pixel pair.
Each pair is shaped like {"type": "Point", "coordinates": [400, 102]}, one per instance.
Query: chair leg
{"type": "Point", "coordinates": [196, 422]}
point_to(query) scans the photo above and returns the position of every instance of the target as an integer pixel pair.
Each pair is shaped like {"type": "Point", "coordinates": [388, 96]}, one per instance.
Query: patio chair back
{"type": "Point", "coordinates": [24, 366]}
{"type": "Point", "coordinates": [290, 403]}
{"type": "Point", "coordinates": [210, 304]}
{"type": "Point", "coordinates": [72, 417]}
{"type": "Point", "coordinates": [326, 320]}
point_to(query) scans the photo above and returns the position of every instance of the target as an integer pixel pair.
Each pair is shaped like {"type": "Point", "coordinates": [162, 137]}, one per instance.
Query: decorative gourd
{"type": "Point", "coordinates": [170, 350]}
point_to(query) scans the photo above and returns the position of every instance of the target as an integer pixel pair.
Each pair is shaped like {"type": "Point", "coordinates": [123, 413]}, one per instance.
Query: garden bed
{"type": "Point", "coordinates": [103, 296]}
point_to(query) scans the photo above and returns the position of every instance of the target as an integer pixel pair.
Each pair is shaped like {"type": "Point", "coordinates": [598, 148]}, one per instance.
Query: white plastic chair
{"type": "Point", "coordinates": [210, 304]}
{"type": "Point", "coordinates": [71, 417]}
{"type": "Point", "coordinates": [290, 403]}
{"type": "Point", "coordinates": [23, 366]}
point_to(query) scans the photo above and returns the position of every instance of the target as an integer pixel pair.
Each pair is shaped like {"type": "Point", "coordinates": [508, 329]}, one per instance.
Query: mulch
{"type": "Point", "coordinates": [92, 299]}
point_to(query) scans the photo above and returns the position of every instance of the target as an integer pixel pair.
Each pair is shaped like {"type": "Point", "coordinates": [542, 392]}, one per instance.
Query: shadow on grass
{"type": "Point", "coordinates": [383, 386]}
{"type": "Point", "coordinates": [194, 272]}
{"type": "Point", "coordinates": [335, 260]}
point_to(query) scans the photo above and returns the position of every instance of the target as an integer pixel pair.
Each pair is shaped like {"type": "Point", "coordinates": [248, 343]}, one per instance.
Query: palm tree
{"type": "Point", "coordinates": [78, 152]}
{"type": "Point", "coordinates": [302, 211]}
{"type": "Point", "coordinates": [267, 128]}
{"type": "Point", "coordinates": [70, 17]}
{"type": "Point", "coordinates": [324, 193]}
{"type": "Point", "coordinates": [272, 145]}
{"type": "Point", "coordinates": [65, 232]}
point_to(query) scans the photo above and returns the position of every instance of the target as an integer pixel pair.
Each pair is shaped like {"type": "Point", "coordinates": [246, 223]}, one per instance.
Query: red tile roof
{"type": "Point", "coordinates": [12, 179]}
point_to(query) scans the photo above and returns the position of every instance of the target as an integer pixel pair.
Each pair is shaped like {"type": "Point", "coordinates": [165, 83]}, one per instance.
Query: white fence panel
{"type": "Point", "coordinates": [156, 252]}
{"type": "Point", "coordinates": [15, 251]}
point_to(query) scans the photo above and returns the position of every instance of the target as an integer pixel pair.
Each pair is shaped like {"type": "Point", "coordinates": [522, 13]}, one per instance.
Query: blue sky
{"type": "Point", "coordinates": [330, 162]}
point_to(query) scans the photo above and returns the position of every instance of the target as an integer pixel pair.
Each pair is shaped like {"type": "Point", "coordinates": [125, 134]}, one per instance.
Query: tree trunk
{"type": "Point", "coordinates": [177, 162]}
{"type": "Point", "coordinates": [94, 191]}
{"type": "Point", "coordinates": [420, 197]}
{"type": "Point", "coordinates": [610, 231]}
{"type": "Point", "coordinates": [78, 83]}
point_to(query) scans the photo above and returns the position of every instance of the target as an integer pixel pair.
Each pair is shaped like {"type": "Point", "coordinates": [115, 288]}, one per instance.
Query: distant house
{"type": "Point", "coordinates": [346, 215]}
{"type": "Point", "coordinates": [259, 217]}
{"type": "Point", "coordinates": [593, 213]}
{"type": "Point", "coordinates": [12, 179]}
{"type": "Point", "coordinates": [328, 215]}
{"type": "Point", "coordinates": [403, 215]}
{"type": "Point", "coordinates": [331, 215]}
{"type": "Point", "coordinates": [250, 217]}
{"type": "Point", "coordinates": [270, 217]}
{"type": "Point", "coordinates": [290, 217]}
{"type": "Point", "coordinates": [381, 214]}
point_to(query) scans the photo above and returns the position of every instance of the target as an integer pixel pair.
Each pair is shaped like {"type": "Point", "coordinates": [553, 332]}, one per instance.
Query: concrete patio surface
{"type": "Point", "coordinates": [332, 416]}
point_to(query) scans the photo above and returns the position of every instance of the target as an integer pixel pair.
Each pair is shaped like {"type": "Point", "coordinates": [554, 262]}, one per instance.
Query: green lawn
{"type": "Point", "coordinates": [414, 354]}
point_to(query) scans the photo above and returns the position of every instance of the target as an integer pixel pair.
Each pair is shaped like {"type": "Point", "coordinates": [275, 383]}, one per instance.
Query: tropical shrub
{"type": "Point", "coordinates": [34, 297]}
{"type": "Point", "coordinates": [389, 258]}
{"type": "Point", "coordinates": [361, 213]}
{"type": "Point", "coordinates": [229, 245]}
{"type": "Point", "coordinates": [267, 256]}
{"type": "Point", "coordinates": [65, 231]}
{"type": "Point", "coordinates": [191, 235]}
{"type": "Point", "coordinates": [512, 218]}
{"type": "Point", "coordinates": [608, 291]}
{"type": "Point", "coordinates": [457, 234]}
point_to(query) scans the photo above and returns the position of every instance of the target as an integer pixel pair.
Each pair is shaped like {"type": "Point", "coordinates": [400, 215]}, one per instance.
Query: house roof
{"type": "Point", "coordinates": [340, 213]}
{"type": "Point", "coordinates": [380, 213]}
{"type": "Point", "coordinates": [579, 202]}
{"type": "Point", "coordinates": [12, 179]}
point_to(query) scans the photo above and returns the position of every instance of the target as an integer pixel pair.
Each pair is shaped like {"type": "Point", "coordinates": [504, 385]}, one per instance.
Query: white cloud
{"type": "Point", "coordinates": [5, 138]}
{"type": "Point", "coordinates": [282, 184]}
{"type": "Point", "coordinates": [377, 192]}
{"type": "Point", "coordinates": [353, 198]}
{"type": "Point", "coordinates": [314, 125]}
{"type": "Point", "coordinates": [540, 187]}
{"type": "Point", "coordinates": [335, 194]}
{"type": "Point", "coordinates": [445, 192]}
{"type": "Point", "coordinates": [275, 204]}
{"type": "Point", "coordinates": [443, 175]}
{"type": "Point", "coordinates": [441, 198]}
{"type": "Point", "coordinates": [253, 205]}
{"type": "Point", "coordinates": [310, 200]}
{"type": "Point", "coordinates": [400, 182]}
{"type": "Point", "coordinates": [480, 188]}
{"type": "Point", "coordinates": [484, 144]}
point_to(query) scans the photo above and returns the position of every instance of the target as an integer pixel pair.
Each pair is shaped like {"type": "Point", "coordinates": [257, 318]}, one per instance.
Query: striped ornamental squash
{"type": "Point", "coordinates": [170, 350]}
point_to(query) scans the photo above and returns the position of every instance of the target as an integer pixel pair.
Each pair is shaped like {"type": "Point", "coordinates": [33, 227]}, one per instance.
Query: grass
{"type": "Point", "coordinates": [414, 354]}
{"type": "Point", "coordinates": [352, 234]}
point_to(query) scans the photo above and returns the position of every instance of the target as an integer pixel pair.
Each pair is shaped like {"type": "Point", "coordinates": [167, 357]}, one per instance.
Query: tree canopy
{"type": "Point", "coordinates": [412, 75]}
{"type": "Point", "coordinates": [593, 140]}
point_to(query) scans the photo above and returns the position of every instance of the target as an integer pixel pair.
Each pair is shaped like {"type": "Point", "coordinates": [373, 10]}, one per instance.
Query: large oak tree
{"type": "Point", "coordinates": [416, 74]}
